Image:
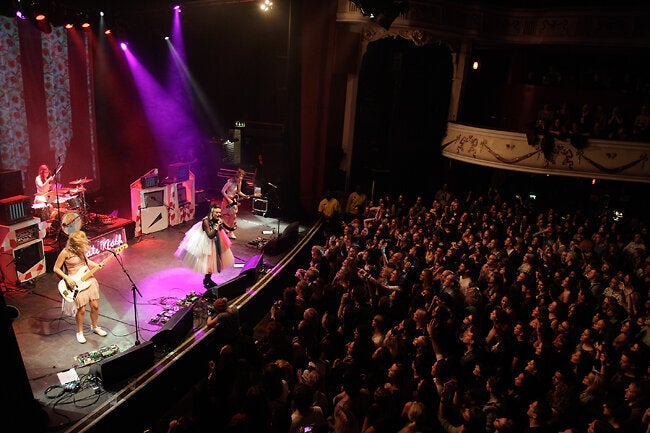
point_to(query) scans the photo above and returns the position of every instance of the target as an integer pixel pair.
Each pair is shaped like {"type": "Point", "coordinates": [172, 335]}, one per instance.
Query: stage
{"type": "Point", "coordinates": [144, 286]}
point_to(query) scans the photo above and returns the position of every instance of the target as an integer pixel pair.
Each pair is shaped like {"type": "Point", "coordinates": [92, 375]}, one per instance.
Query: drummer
{"type": "Point", "coordinates": [43, 184]}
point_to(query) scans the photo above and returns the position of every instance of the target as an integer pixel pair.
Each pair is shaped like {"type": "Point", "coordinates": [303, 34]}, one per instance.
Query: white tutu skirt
{"type": "Point", "coordinates": [198, 252]}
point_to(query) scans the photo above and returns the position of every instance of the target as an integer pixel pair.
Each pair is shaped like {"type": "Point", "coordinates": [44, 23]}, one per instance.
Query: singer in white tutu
{"type": "Point", "coordinates": [205, 248]}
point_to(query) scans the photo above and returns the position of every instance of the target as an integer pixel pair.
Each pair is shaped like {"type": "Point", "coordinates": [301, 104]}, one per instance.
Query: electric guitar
{"type": "Point", "coordinates": [236, 199]}
{"type": "Point", "coordinates": [82, 276]}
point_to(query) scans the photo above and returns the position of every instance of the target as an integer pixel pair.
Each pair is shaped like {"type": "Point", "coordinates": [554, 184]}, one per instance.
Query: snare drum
{"type": "Point", "coordinates": [71, 222]}
{"type": "Point", "coordinates": [41, 210]}
{"type": "Point", "coordinates": [62, 203]}
{"type": "Point", "coordinates": [73, 202]}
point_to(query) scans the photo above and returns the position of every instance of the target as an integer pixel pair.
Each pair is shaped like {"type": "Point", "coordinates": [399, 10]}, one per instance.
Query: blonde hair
{"type": "Point", "coordinates": [78, 243]}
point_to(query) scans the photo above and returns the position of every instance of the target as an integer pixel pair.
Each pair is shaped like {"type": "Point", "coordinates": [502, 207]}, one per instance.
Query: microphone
{"type": "Point", "coordinates": [270, 184]}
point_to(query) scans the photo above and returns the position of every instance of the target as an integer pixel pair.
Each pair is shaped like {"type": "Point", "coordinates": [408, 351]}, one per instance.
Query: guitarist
{"type": "Point", "coordinates": [231, 192]}
{"type": "Point", "coordinates": [70, 260]}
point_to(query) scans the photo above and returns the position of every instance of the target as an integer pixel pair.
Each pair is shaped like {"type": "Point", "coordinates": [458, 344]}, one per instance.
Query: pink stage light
{"type": "Point", "coordinates": [124, 46]}
{"type": "Point", "coordinates": [20, 15]}
{"type": "Point", "coordinates": [177, 8]}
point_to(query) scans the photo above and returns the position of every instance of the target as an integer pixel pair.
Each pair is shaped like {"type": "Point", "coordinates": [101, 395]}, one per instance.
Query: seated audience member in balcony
{"type": "Point", "coordinates": [616, 125]}
{"type": "Point", "coordinates": [586, 119]}
{"type": "Point", "coordinates": [558, 129]}
{"type": "Point", "coordinates": [641, 122]}
{"type": "Point", "coordinates": [546, 115]}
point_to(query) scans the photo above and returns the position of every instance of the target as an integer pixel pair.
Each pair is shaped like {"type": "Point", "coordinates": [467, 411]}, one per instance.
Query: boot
{"type": "Point", "coordinates": [207, 281]}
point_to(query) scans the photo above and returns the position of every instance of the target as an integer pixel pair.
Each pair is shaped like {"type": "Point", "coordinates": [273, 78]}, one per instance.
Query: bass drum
{"type": "Point", "coordinates": [70, 223]}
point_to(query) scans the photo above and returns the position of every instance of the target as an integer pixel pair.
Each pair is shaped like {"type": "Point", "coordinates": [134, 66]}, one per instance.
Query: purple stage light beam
{"type": "Point", "coordinates": [171, 125]}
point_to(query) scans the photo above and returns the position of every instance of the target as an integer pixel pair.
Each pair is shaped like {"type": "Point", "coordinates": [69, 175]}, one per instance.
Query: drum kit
{"type": "Point", "coordinates": [65, 209]}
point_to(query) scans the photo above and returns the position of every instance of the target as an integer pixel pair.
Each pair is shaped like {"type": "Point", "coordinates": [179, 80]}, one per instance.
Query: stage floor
{"type": "Point", "coordinates": [47, 338]}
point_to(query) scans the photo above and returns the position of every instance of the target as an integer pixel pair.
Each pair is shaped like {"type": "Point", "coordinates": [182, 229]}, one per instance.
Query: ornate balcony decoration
{"type": "Point", "coordinates": [436, 20]}
{"type": "Point", "coordinates": [600, 159]}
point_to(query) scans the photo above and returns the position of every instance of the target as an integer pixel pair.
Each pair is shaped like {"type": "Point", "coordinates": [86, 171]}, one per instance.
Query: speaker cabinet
{"type": "Point", "coordinates": [121, 366]}
{"type": "Point", "coordinates": [153, 197]}
{"type": "Point", "coordinates": [25, 262]}
{"type": "Point", "coordinates": [282, 243]}
{"type": "Point", "coordinates": [15, 209]}
{"type": "Point", "coordinates": [11, 183]}
{"type": "Point", "coordinates": [175, 330]}
{"type": "Point", "coordinates": [237, 286]}
{"type": "Point", "coordinates": [252, 266]}
{"type": "Point", "coordinates": [154, 219]}
{"type": "Point", "coordinates": [260, 206]}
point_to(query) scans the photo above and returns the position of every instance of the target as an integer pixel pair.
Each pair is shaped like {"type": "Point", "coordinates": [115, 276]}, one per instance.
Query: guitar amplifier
{"type": "Point", "coordinates": [260, 206]}
{"type": "Point", "coordinates": [24, 263]}
{"type": "Point", "coordinates": [150, 180]}
{"type": "Point", "coordinates": [15, 209]}
{"type": "Point", "coordinates": [182, 194]}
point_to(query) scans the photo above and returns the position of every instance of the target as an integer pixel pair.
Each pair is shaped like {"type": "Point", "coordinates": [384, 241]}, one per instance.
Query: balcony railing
{"type": "Point", "coordinates": [599, 159]}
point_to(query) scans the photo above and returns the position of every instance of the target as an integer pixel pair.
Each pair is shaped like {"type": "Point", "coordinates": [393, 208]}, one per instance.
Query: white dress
{"type": "Point", "coordinates": [204, 255]}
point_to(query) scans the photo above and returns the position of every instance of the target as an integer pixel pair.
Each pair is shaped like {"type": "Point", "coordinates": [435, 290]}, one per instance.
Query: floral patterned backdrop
{"type": "Point", "coordinates": [46, 102]}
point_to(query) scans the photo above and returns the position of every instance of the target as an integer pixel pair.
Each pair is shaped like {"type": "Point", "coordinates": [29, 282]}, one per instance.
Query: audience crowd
{"type": "Point", "coordinates": [597, 122]}
{"type": "Point", "coordinates": [465, 313]}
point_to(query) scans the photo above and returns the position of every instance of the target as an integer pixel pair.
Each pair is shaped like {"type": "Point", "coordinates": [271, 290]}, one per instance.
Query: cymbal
{"type": "Point", "coordinates": [81, 181]}
{"type": "Point", "coordinates": [77, 190]}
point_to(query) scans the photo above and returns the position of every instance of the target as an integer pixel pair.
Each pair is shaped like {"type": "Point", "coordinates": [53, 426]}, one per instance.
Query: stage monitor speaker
{"type": "Point", "coordinates": [121, 366]}
{"type": "Point", "coordinates": [237, 286]}
{"type": "Point", "coordinates": [252, 266]}
{"type": "Point", "coordinates": [154, 219]}
{"type": "Point", "coordinates": [176, 329]}
{"type": "Point", "coordinates": [11, 183]}
{"type": "Point", "coordinates": [288, 237]}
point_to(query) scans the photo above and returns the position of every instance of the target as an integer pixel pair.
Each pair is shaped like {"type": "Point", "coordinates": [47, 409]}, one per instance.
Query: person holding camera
{"type": "Point", "coordinates": [306, 417]}
{"type": "Point", "coordinates": [224, 319]}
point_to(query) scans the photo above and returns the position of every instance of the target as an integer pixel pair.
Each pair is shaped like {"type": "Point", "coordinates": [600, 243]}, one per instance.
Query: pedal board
{"type": "Point", "coordinates": [168, 311]}
{"type": "Point", "coordinates": [94, 356]}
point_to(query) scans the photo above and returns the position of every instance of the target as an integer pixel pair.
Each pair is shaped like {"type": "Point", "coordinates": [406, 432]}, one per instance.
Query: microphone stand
{"type": "Point", "coordinates": [134, 290]}
{"type": "Point", "coordinates": [277, 206]}
{"type": "Point", "coordinates": [57, 178]}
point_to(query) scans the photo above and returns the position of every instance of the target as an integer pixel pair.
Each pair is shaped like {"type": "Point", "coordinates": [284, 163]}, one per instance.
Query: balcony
{"type": "Point", "coordinates": [599, 159]}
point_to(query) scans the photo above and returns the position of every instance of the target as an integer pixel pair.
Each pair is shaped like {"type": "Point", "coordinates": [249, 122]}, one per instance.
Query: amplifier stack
{"type": "Point", "coordinates": [21, 235]}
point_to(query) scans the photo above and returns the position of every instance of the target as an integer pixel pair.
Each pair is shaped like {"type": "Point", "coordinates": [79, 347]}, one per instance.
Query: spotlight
{"type": "Point", "coordinates": [266, 6]}
{"type": "Point", "coordinates": [40, 17]}
{"type": "Point", "coordinates": [85, 24]}
{"type": "Point", "coordinates": [166, 38]}
{"type": "Point", "coordinates": [20, 15]}
{"type": "Point", "coordinates": [107, 32]}
{"type": "Point", "coordinates": [124, 46]}
{"type": "Point", "coordinates": [177, 8]}
{"type": "Point", "coordinates": [69, 26]}
{"type": "Point", "coordinates": [101, 13]}
{"type": "Point", "coordinates": [475, 65]}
